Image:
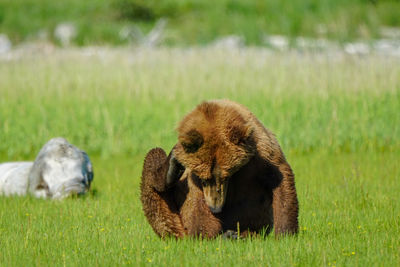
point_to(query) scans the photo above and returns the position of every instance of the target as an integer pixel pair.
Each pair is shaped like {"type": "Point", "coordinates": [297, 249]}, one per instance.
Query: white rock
{"type": "Point", "coordinates": [388, 47]}
{"type": "Point", "coordinates": [156, 35]}
{"type": "Point", "coordinates": [5, 44]}
{"type": "Point", "coordinates": [229, 42]}
{"type": "Point", "coordinates": [64, 33]}
{"type": "Point", "coordinates": [60, 169]}
{"type": "Point", "coordinates": [135, 35]}
{"type": "Point", "coordinates": [277, 41]}
{"type": "Point", "coordinates": [357, 48]}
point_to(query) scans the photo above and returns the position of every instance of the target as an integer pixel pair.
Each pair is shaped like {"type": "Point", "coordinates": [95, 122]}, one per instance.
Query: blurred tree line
{"type": "Point", "coordinates": [199, 21]}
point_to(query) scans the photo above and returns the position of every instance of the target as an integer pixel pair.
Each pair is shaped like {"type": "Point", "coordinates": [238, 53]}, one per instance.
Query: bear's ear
{"type": "Point", "coordinates": [239, 133]}
{"type": "Point", "coordinates": [191, 141]}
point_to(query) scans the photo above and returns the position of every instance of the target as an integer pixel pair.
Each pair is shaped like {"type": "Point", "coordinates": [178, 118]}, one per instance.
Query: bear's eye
{"type": "Point", "coordinates": [192, 141]}
{"type": "Point", "coordinates": [191, 147]}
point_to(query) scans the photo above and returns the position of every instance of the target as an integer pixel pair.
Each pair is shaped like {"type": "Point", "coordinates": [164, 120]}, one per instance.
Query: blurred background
{"type": "Point", "coordinates": [88, 58]}
{"type": "Point", "coordinates": [366, 24]}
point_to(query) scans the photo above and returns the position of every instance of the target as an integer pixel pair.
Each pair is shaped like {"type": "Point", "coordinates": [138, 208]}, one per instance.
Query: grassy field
{"type": "Point", "coordinates": [199, 22]}
{"type": "Point", "coordinates": [336, 118]}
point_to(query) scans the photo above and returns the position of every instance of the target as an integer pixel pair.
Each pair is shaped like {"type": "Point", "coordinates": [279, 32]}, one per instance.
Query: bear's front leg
{"type": "Point", "coordinates": [285, 203]}
{"type": "Point", "coordinates": [157, 194]}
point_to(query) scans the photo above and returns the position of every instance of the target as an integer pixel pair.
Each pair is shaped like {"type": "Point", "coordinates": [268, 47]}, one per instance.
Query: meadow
{"type": "Point", "coordinates": [336, 117]}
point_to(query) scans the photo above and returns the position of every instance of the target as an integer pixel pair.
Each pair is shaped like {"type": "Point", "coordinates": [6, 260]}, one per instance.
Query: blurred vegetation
{"type": "Point", "coordinates": [200, 21]}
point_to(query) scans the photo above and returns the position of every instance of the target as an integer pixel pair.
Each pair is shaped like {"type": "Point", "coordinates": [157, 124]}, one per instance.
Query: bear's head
{"type": "Point", "coordinates": [215, 140]}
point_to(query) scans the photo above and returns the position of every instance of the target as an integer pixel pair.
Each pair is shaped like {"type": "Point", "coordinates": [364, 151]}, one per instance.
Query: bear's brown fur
{"type": "Point", "coordinates": [226, 173]}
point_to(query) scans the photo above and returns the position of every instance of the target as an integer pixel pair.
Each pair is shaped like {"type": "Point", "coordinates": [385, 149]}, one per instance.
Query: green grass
{"type": "Point", "coordinates": [199, 22]}
{"type": "Point", "coordinates": [336, 119]}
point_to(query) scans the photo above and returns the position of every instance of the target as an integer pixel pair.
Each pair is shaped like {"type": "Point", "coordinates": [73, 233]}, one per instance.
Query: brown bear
{"type": "Point", "coordinates": [227, 174]}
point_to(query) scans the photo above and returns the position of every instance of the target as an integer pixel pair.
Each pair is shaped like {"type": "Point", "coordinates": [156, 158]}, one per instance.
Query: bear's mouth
{"type": "Point", "coordinates": [214, 191]}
